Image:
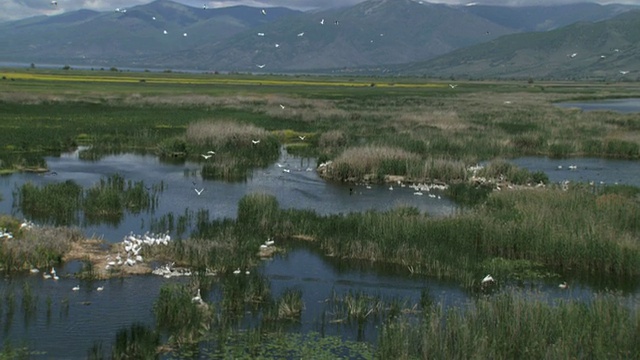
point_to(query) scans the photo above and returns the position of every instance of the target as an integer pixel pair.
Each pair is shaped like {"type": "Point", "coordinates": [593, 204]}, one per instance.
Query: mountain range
{"type": "Point", "coordinates": [376, 36]}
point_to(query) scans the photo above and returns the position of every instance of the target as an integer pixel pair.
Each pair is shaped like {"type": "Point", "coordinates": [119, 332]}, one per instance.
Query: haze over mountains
{"type": "Point", "coordinates": [377, 36]}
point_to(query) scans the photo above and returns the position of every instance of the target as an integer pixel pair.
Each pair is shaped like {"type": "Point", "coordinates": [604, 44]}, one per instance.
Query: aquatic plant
{"type": "Point", "coordinates": [136, 342]}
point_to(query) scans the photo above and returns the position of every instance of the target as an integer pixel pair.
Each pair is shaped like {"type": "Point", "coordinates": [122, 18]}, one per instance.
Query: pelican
{"type": "Point", "coordinates": [281, 106]}
{"type": "Point", "coordinates": [247, 272]}
{"type": "Point", "coordinates": [206, 156]}
{"type": "Point", "coordinates": [301, 137]}
{"type": "Point", "coordinates": [199, 191]}
{"type": "Point", "coordinates": [46, 276]}
{"type": "Point", "coordinates": [53, 271]}
{"type": "Point", "coordinates": [279, 165]}
{"type": "Point", "coordinates": [153, 18]}
{"type": "Point", "coordinates": [185, 34]}
{"type": "Point", "coordinates": [286, 170]}
{"type": "Point", "coordinates": [453, 86]}
{"type": "Point", "coordinates": [260, 34]}
{"type": "Point", "coordinates": [34, 271]}
{"type": "Point", "coordinates": [100, 288]}
{"type": "Point", "coordinates": [263, 12]}
{"type": "Point", "coordinates": [573, 167]}
{"type": "Point", "coordinates": [391, 187]}
{"type": "Point", "coordinates": [236, 271]}
{"type": "Point", "coordinates": [54, 3]}
{"type": "Point", "coordinates": [573, 55]}
{"type": "Point", "coordinates": [269, 242]}
{"type": "Point", "coordinates": [76, 288]}
{"type": "Point", "coordinates": [564, 285]}
{"type": "Point", "coordinates": [211, 152]}
{"type": "Point", "coordinates": [301, 34]}
{"type": "Point", "coordinates": [255, 141]}
{"type": "Point", "coordinates": [165, 32]}
{"type": "Point", "coordinates": [197, 298]}
{"type": "Point", "coordinates": [624, 72]}
{"type": "Point", "coordinates": [261, 65]}
{"type": "Point", "coordinates": [487, 279]}
{"type": "Point", "coordinates": [55, 277]}
{"type": "Point", "coordinates": [277, 45]}
{"type": "Point", "coordinates": [322, 22]}
{"type": "Point", "coordinates": [418, 193]}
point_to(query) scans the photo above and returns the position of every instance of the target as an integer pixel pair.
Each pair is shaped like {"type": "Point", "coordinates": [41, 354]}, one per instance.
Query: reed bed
{"type": "Point", "coordinates": [522, 326]}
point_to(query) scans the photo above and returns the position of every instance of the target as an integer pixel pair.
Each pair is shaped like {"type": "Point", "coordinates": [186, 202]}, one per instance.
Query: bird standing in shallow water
{"type": "Point", "coordinates": [564, 285]}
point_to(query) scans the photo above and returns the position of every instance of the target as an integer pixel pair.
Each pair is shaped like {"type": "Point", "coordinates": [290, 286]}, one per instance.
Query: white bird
{"type": "Point", "coordinates": [573, 167]}
{"type": "Point", "coordinates": [322, 22]}
{"type": "Point", "coordinates": [487, 279]}
{"type": "Point", "coordinates": [255, 141]}
{"type": "Point", "coordinates": [55, 277]}
{"type": "Point", "coordinates": [269, 242]}
{"type": "Point", "coordinates": [153, 18]}
{"type": "Point", "coordinates": [236, 271]}
{"type": "Point", "coordinates": [46, 276]}
{"type": "Point", "coordinates": [337, 22]}
{"type": "Point", "coordinates": [624, 72]}
{"type": "Point", "coordinates": [165, 32]}
{"type": "Point", "coordinates": [76, 288]}
{"type": "Point", "coordinates": [185, 34]}
{"type": "Point", "coordinates": [211, 152]}
{"type": "Point", "coordinates": [286, 170]}
{"type": "Point", "coordinates": [301, 34]}
{"type": "Point", "coordinates": [34, 271]}
{"type": "Point", "coordinates": [247, 272]}
{"type": "Point", "coordinates": [279, 165]}
{"type": "Point", "coordinates": [277, 45]}
{"type": "Point", "coordinates": [199, 191]}
{"type": "Point", "coordinates": [55, 3]}
{"type": "Point", "coordinates": [261, 65]}
{"type": "Point", "coordinates": [53, 271]}
{"type": "Point", "coordinates": [117, 9]}
{"type": "Point", "coordinates": [204, 7]}
{"type": "Point", "coordinates": [281, 106]}
{"type": "Point", "coordinates": [197, 298]}
{"type": "Point", "coordinates": [564, 285]}
{"type": "Point", "coordinates": [418, 193]}
{"type": "Point", "coordinates": [263, 12]}
{"type": "Point", "coordinates": [206, 156]}
{"type": "Point", "coordinates": [260, 34]}
{"type": "Point", "coordinates": [453, 86]}
{"type": "Point", "coordinates": [100, 288]}
{"type": "Point", "coordinates": [391, 187]}
{"type": "Point", "coordinates": [301, 137]}
{"type": "Point", "coordinates": [573, 55]}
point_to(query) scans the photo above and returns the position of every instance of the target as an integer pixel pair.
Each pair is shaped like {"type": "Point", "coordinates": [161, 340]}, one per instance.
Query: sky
{"type": "Point", "coordinates": [18, 9]}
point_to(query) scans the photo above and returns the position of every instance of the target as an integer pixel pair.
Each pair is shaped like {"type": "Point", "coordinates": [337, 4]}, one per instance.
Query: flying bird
{"type": "Point", "coordinates": [301, 34]}
{"type": "Point", "coordinates": [453, 86]}
{"type": "Point", "coordinates": [573, 55]}
{"type": "Point", "coordinates": [263, 12]}
{"type": "Point", "coordinates": [301, 137]}
{"type": "Point", "coordinates": [199, 191]}
{"type": "Point", "coordinates": [165, 32]}
{"type": "Point", "coordinates": [185, 34]}
{"type": "Point", "coordinates": [255, 141]}
{"type": "Point", "coordinates": [153, 18]}
{"type": "Point", "coordinates": [281, 106]}
{"type": "Point", "coordinates": [211, 152]}
{"type": "Point", "coordinates": [487, 279]}
{"type": "Point", "coordinates": [624, 72]}
{"type": "Point", "coordinates": [260, 34]}
{"type": "Point", "coordinates": [322, 22]}
{"type": "Point", "coordinates": [261, 66]}
{"type": "Point", "coordinates": [277, 45]}
{"type": "Point", "coordinates": [206, 156]}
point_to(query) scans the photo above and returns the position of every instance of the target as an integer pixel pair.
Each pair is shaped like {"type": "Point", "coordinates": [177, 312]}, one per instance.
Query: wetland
{"type": "Point", "coordinates": [315, 217]}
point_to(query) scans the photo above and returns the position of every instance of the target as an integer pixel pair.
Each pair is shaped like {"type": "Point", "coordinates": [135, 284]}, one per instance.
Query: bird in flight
{"type": "Point", "coordinates": [573, 55]}
{"type": "Point", "coordinates": [205, 156]}
{"type": "Point", "coordinates": [624, 72]}
{"type": "Point", "coordinates": [185, 34]}
{"type": "Point", "coordinates": [261, 34]}
{"type": "Point", "coordinates": [277, 45]}
{"type": "Point", "coordinates": [255, 141]}
{"type": "Point", "coordinates": [261, 65]}
{"type": "Point", "coordinates": [301, 137]}
{"type": "Point", "coordinates": [281, 106]}
{"type": "Point", "coordinates": [322, 22]}
{"type": "Point", "coordinates": [263, 12]}
{"type": "Point", "coordinates": [211, 152]}
{"type": "Point", "coordinates": [301, 34]}
{"type": "Point", "coordinates": [453, 86]}
{"type": "Point", "coordinates": [153, 18]}
{"type": "Point", "coordinates": [165, 32]}
{"type": "Point", "coordinates": [199, 191]}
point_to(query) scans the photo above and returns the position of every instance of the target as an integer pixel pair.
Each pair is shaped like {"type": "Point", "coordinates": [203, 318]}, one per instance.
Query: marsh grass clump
{"type": "Point", "coordinates": [113, 195]}
{"type": "Point", "coordinates": [288, 307]}
{"type": "Point", "coordinates": [38, 247]}
{"type": "Point", "coordinates": [136, 342]}
{"type": "Point", "coordinates": [185, 321]}
{"type": "Point", "coordinates": [59, 203]}
{"type": "Point", "coordinates": [504, 171]}
{"type": "Point", "coordinates": [604, 327]}
{"type": "Point", "coordinates": [371, 162]}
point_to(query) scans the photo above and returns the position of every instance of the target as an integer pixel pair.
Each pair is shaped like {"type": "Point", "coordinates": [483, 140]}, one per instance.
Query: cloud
{"type": "Point", "coordinates": [18, 9]}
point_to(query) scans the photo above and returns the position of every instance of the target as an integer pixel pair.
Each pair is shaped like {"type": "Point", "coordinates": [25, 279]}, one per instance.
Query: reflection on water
{"type": "Point", "coordinates": [620, 105]}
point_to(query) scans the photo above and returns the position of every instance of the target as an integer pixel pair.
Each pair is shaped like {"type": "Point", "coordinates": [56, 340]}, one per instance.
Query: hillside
{"type": "Point", "coordinates": [581, 50]}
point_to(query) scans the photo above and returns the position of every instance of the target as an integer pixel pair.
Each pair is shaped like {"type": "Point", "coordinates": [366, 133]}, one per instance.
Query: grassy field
{"type": "Point", "coordinates": [369, 128]}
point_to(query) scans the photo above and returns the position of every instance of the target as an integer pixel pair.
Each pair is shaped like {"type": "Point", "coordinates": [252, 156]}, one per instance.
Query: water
{"type": "Point", "coordinates": [300, 188]}
{"type": "Point", "coordinates": [79, 318]}
{"type": "Point", "coordinates": [630, 105]}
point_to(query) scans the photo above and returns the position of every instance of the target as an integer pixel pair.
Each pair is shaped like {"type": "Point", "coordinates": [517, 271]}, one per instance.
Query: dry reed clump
{"type": "Point", "coordinates": [440, 169]}
{"type": "Point", "coordinates": [37, 247]}
{"type": "Point", "coordinates": [364, 162]}
{"type": "Point", "coordinates": [422, 116]}
{"type": "Point", "coordinates": [333, 140]}
{"type": "Point", "coordinates": [222, 134]}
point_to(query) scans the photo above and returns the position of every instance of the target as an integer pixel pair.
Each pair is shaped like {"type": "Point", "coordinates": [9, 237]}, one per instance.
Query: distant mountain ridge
{"type": "Point", "coordinates": [407, 36]}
